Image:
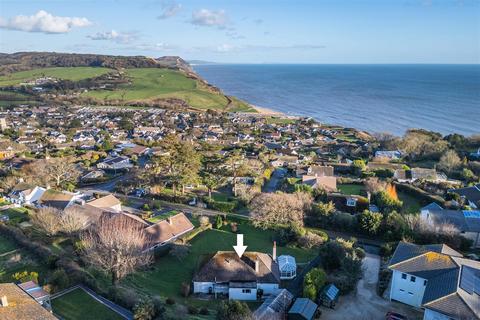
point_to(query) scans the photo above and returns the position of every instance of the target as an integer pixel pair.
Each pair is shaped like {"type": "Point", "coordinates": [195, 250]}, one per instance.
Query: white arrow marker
{"type": "Point", "coordinates": [240, 248]}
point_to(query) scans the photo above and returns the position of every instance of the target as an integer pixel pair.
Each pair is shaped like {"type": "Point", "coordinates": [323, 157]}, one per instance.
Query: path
{"type": "Point", "coordinates": [364, 303]}
{"type": "Point", "coordinates": [275, 179]}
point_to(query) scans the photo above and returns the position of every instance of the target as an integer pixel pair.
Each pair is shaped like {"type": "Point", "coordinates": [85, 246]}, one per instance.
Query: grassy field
{"type": "Point", "coordinates": [410, 203]}
{"type": "Point", "coordinates": [169, 272]}
{"type": "Point", "coordinates": [70, 73]}
{"type": "Point", "coordinates": [6, 245]}
{"type": "Point", "coordinates": [77, 304]}
{"type": "Point", "coordinates": [153, 83]}
{"type": "Point", "coordinates": [350, 188]}
{"type": "Point", "coordinates": [16, 215]}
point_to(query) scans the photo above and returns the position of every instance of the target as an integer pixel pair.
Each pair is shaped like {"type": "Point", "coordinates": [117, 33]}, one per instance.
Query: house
{"type": "Point", "coordinates": [239, 278]}
{"type": "Point", "coordinates": [348, 203]}
{"type": "Point", "coordinates": [470, 194]}
{"type": "Point", "coordinates": [115, 163]}
{"type": "Point", "coordinates": [414, 174]}
{"type": "Point", "coordinates": [320, 171]}
{"type": "Point", "coordinates": [390, 155]}
{"type": "Point", "coordinates": [109, 202]}
{"type": "Point", "coordinates": [25, 194]}
{"type": "Point", "coordinates": [437, 279]}
{"type": "Point", "coordinates": [466, 222]}
{"type": "Point", "coordinates": [328, 183]}
{"type": "Point", "coordinates": [302, 309]}
{"type": "Point", "coordinates": [19, 305]}
{"type": "Point", "coordinates": [168, 230]}
{"type": "Point", "coordinates": [58, 199]}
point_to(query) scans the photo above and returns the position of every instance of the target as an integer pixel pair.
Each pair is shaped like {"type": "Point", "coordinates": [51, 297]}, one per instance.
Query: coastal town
{"type": "Point", "coordinates": [141, 211]}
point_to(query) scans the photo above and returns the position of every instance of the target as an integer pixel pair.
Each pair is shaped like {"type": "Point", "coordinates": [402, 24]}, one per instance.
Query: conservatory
{"type": "Point", "coordinates": [287, 267]}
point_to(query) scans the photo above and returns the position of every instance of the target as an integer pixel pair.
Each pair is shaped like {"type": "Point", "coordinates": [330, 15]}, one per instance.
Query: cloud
{"type": "Point", "coordinates": [210, 18]}
{"type": "Point", "coordinates": [45, 22]}
{"type": "Point", "coordinates": [258, 21]}
{"type": "Point", "coordinates": [160, 46]}
{"type": "Point", "coordinates": [169, 9]}
{"type": "Point", "coordinates": [226, 48]}
{"type": "Point", "coordinates": [234, 35]}
{"type": "Point", "coordinates": [120, 37]}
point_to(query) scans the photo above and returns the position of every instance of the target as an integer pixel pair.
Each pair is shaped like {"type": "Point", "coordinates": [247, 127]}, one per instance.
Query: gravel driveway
{"type": "Point", "coordinates": [365, 304]}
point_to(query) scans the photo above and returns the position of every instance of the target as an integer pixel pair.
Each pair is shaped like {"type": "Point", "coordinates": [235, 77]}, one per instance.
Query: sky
{"type": "Point", "coordinates": [247, 31]}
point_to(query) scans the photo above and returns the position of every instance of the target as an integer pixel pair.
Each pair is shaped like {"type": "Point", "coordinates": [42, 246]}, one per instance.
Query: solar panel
{"type": "Point", "coordinates": [471, 214]}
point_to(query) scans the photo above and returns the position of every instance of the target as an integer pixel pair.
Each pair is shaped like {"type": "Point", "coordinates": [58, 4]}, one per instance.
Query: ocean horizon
{"type": "Point", "coordinates": [373, 97]}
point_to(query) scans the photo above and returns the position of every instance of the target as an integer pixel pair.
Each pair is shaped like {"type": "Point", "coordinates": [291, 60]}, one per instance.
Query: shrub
{"type": "Point", "coordinates": [386, 250]}
{"type": "Point", "coordinates": [25, 276]}
{"type": "Point", "coordinates": [310, 240]}
{"type": "Point", "coordinates": [144, 309]}
{"type": "Point", "coordinates": [369, 222]}
{"type": "Point", "coordinates": [59, 279]}
{"type": "Point", "coordinates": [218, 222]}
{"type": "Point", "coordinates": [170, 301]}
{"type": "Point", "coordinates": [234, 227]}
{"type": "Point", "coordinates": [234, 310]}
{"type": "Point", "coordinates": [185, 289]}
{"type": "Point", "coordinates": [192, 310]}
{"type": "Point", "coordinates": [312, 283]}
{"type": "Point", "coordinates": [204, 311]}
{"type": "Point", "coordinates": [204, 221]}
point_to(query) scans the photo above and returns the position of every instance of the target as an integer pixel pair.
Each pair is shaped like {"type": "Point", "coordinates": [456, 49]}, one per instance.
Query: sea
{"type": "Point", "coordinates": [374, 98]}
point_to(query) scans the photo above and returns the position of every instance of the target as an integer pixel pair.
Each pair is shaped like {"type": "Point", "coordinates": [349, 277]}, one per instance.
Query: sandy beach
{"type": "Point", "coordinates": [266, 111]}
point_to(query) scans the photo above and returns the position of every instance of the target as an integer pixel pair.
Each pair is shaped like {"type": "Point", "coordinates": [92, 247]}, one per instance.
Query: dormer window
{"type": "Point", "coordinates": [351, 202]}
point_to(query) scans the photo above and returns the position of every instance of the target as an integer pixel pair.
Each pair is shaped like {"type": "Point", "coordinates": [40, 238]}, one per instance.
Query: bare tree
{"type": "Point", "coordinates": [60, 170]}
{"type": "Point", "coordinates": [73, 221]}
{"type": "Point", "coordinates": [268, 209]}
{"type": "Point", "coordinates": [374, 185]}
{"type": "Point", "coordinates": [47, 219]}
{"type": "Point", "coordinates": [117, 245]}
{"type": "Point", "coordinates": [449, 161]}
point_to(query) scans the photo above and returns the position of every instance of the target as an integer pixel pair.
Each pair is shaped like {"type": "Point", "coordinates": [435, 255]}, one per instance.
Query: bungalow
{"type": "Point", "coordinates": [320, 171]}
{"type": "Point", "coordinates": [115, 163]}
{"type": "Point", "coordinates": [168, 230]}
{"type": "Point", "coordinates": [328, 183]}
{"type": "Point", "coordinates": [239, 278]}
{"type": "Point", "coordinates": [25, 194]}
{"type": "Point", "coordinates": [437, 279]}
{"type": "Point", "coordinates": [17, 304]}
{"type": "Point", "coordinates": [470, 194]}
{"type": "Point", "coordinates": [467, 223]}
{"type": "Point", "coordinates": [414, 174]}
{"type": "Point", "coordinates": [108, 202]}
{"type": "Point", "coordinates": [390, 155]}
{"type": "Point", "coordinates": [58, 199]}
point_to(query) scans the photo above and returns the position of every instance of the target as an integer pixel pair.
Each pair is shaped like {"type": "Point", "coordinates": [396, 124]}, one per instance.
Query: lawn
{"type": "Point", "coordinates": [16, 215]}
{"type": "Point", "coordinates": [155, 83]}
{"type": "Point", "coordinates": [77, 304]}
{"type": "Point", "coordinates": [162, 216]}
{"type": "Point", "coordinates": [169, 272]}
{"type": "Point", "coordinates": [350, 188]}
{"type": "Point", "coordinates": [410, 203]}
{"type": "Point", "coordinates": [6, 245]}
{"type": "Point", "coordinates": [65, 73]}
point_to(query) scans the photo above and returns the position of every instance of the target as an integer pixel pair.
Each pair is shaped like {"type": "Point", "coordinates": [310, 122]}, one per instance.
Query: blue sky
{"type": "Point", "coordinates": [246, 31]}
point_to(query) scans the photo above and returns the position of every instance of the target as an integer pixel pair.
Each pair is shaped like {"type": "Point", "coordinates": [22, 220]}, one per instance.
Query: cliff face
{"type": "Point", "coordinates": [22, 61]}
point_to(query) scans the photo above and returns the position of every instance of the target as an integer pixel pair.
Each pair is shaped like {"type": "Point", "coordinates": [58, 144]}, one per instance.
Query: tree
{"type": "Point", "coordinates": [270, 209]}
{"type": "Point", "coordinates": [180, 164]}
{"type": "Point", "coordinates": [449, 161]}
{"type": "Point", "coordinates": [47, 219]}
{"type": "Point", "coordinates": [234, 310]}
{"type": "Point", "coordinates": [386, 203]}
{"type": "Point", "coordinates": [370, 222]}
{"type": "Point", "coordinates": [218, 221]}
{"type": "Point", "coordinates": [73, 221]}
{"type": "Point", "coordinates": [117, 245]}
{"type": "Point", "coordinates": [313, 282]}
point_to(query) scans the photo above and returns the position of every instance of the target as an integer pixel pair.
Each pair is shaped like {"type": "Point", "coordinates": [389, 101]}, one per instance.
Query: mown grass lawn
{"type": "Point", "coordinates": [6, 245]}
{"type": "Point", "coordinates": [410, 203]}
{"type": "Point", "coordinates": [65, 73]}
{"type": "Point", "coordinates": [16, 215]}
{"type": "Point", "coordinates": [155, 83]}
{"type": "Point", "coordinates": [350, 188]}
{"type": "Point", "coordinates": [169, 272]}
{"type": "Point", "coordinates": [78, 305]}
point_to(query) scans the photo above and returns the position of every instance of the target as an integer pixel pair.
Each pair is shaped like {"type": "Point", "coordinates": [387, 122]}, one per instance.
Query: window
{"type": "Point", "coordinates": [351, 202]}
{"type": "Point", "coordinates": [404, 276]}
{"type": "Point", "coordinates": [424, 282]}
{"type": "Point", "coordinates": [401, 290]}
{"type": "Point", "coordinates": [410, 293]}
{"type": "Point", "coordinates": [413, 279]}
{"type": "Point", "coordinates": [246, 291]}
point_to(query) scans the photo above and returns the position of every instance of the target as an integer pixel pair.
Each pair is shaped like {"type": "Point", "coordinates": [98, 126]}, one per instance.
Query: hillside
{"type": "Point", "coordinates": [114, 80]}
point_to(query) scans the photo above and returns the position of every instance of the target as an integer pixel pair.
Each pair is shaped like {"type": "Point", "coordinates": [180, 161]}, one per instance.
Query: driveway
{"type": "Point", "coordinates": [275, 179]}
{"type": "Point", "coordinates": [365, 304]}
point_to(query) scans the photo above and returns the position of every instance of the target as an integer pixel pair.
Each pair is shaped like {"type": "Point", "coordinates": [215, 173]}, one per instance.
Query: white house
{"type": "Point", "coordinates": [437, 279]}
{"type": "Point", "coordinates": [239, 278]}
{"type": "Point", "coordinates": [25, 194]}
{"type": "Point", "coordinates": [115, 163]}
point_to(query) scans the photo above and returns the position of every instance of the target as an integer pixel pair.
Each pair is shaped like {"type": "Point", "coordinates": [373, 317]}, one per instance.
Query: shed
{"type": "Point", "coordinates": [329, 296]}
{"type": "Point", "coordinates": [302, 309]}
{"type": "Point", "coordinates": [287, 266]}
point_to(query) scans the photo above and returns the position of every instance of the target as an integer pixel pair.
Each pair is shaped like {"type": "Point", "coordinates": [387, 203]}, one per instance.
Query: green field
{"type": "Point", "coordinates": [350, 188]}
{"type": "Point", "coordinates": [6, 245]}
{"type": "Point", "coordinates": [77, 304]}
{"type": "Point", "coordinates": [169, 272]}
{"type": "Point", "coordinates": [154, 83]}
{"type": "Point", "coordinates": [70, 73]}
{"type": "Point", "coordinates": [16, 215]}
{"type": "Point", "coordinates": [410, 203]}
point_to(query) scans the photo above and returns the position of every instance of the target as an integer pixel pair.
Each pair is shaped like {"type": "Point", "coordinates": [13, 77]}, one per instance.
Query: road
{"type": "Point", "coordinates": [275, 179]}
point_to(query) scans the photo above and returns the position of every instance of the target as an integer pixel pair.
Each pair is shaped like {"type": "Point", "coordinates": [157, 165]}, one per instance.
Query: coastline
{"type": "Point", "coordinates": [267, 111]}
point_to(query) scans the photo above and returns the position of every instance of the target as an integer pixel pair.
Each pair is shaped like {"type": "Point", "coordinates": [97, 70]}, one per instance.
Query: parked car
{"type": "Point", "coordinates": [395, 316]}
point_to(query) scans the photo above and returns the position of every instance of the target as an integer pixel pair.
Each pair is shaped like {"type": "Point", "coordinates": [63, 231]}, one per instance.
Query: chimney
{"type": "Point", "coordinates": [4, 301]}
{"type": "Point", "coordinates": [257, 265]}
{"type": "Point", "coordinates": [274, 255]}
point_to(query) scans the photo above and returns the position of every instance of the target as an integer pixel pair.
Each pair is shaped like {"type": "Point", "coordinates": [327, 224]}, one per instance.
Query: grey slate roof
{"type": "Point", "coordinates": [432, 206]}
{"type": "Point", "coordinates": [470, 193]}
{"type": "Point", "coordinates": [450, 278]}
{"type": "Point", "coordinates": [466, 221]}
{"type": "Point", "coordinates": [305, 307]}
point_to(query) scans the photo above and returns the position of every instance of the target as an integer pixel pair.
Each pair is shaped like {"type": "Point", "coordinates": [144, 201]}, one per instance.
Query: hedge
{"type": "Point", "coordinates": [424, 197]}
